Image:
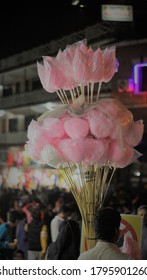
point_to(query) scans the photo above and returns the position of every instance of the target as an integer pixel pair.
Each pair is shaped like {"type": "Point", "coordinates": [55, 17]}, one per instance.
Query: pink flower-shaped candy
{"type": "Point", "coordinates": [109, 61]}
{"type": "Point", "coordinates": [96, 66]}
{"type": "Point", "coordinates": [80, 69]}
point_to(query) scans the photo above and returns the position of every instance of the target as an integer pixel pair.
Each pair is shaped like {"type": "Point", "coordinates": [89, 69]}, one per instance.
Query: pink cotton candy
{"type": "Point", "coordinates": [83, 47]}
{"type": "Point", "coordinates": [120, 157]}
{"type": "Point", "coordinates": [115, 110]}
{"type": "Point", "coordinates": [32, 151]}
{"type": "Point", "coordinates": [46, 76]}
{"type": "Point", "coordinates": [32, 130]}
{"type": "Point", "coordinates": [110, 106]}
{"type": "Point", "coordinates": [97, 66]}
{"type": "Point", "coordinates": [38, 135]}
{"type": "Point", "coordinates": [119, 115]}
{"type": "Point", "coordinates": [50, 156]}
{"type": "Point", "coordinates": [100, 124]}
{"type": "Point", "coordinates": [95, 151]}
{"type": "Point", "coordinates": [65, 65]}
{"type": "Point", "coordinates": [72, 150]}
{"type": "Point", "coordinates": [58, 78]}
{"type": "Point", "coordinates": [77, 65]}
{"type": "Point", "coordinates": [76, 127]}
{"type": "Point", "coordinates": [65, 116]}
{"type": "Point", "coordinates": [50, 74]}
{"type": "Point", "coordinates": [54, 127]}
{"type": "Point", "coordinates": [127, 159]}
{"type": "Point", "coordinates": [80, 70]}
{"type": "Point", "coordinates": [109, 63]}
{"type": "Point", "coordinates": [115, 153]}
{"type": "Point", "coordinates": [135, 133]}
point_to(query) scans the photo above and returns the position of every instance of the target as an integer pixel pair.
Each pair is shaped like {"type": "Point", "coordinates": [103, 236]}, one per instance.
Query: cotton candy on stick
{"type": "Point", "coordinates": [54, 127]}
{"type": "Point", "coordinates": [100, 124]}
{"type": "Point", "coordinates": [96, 69]}
{"type": "Point", "coordinates": [80, 69]}
{"type": "Point", "coordinates": [118, 156]}
{"type": "Point", "coordinates": [72, 150]}
{"type": "Point", "coordinates": [135, 133]}
{"type": "Point", "coordinates": [95, 151]}
{"type": "Point", "coordinates": [51, 156]}
{"type": "Point", "coordinates": [76, 127]}
{"type": "Point", "coordinates": [109, 61]}
{"type": "Point", "coordinates": [65, 61]}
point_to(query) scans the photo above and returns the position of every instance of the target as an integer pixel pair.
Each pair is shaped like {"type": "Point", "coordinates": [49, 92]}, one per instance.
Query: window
{"type": "Point", "coordinates": [7, 90]}
{"type": "Point", "coordinates": [36, 84]}
{"type": "Point", "coordinates": [28, 120]}
{"type": "Point", "coordinates": [13, 125]}
{"type": "Point", "coordinates": [17, 88]}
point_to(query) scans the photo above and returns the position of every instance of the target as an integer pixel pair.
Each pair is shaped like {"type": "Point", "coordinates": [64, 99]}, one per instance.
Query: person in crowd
{"type": "Point", "coordinates": [2, 218]}
{"type": "Point", "coordinates": [57, 204]}
{"type": "Point", "coordinates": [67, 244]}
{"type": "Point", "coordinates": [22, 236]}
{"type": "Point", "coordinates": [37, 236]}
{"type": "Point", "coordinates": [28, 208]}
{"type": "Point", "coordinates": [48, 216]}
{"type": "Point", "coordinates": [62, 215]}
{"type": "Point", "coordinates": [8, 241]}
{"type": "Point", "coordinates": [106, 225]}
{"type": "Point", "coordinates": [142, 211]}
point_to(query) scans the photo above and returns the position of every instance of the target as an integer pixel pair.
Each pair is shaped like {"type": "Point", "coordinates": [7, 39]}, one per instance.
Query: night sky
{"type": "Point", "coordinates": [25, 27]}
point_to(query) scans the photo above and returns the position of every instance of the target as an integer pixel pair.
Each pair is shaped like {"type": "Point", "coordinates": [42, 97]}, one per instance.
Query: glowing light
{"type": "Point", "coordinates": [130, 85]}
{"type": "Point", "coordinates": [137, 76]}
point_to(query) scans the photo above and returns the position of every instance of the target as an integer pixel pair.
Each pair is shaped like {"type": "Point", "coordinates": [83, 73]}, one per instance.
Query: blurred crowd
{"type": "Point", "coordinates": [35, 223]}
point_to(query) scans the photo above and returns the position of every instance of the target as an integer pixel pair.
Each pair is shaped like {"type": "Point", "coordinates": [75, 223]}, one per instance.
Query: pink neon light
{"type": "Point", "coordinates": [137, 75]}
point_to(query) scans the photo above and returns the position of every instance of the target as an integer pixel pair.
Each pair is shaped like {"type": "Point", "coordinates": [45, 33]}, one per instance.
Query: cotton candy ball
{"type": "Point", "coordinates": [32, 129]}
{"type": "Point", "coordinates": [100, 124]}
{"type": "Point", "coordinates": [95, 151]}
{"type": "Point", "coordinates": [120, 156]}
{"type": "Point", "coordinates": [72, 149]}
{"type": "Point", "coordinates": [54, 127]}
{"type": "Point", "coordinates": [76, 127]}
{"type": "Point", "coordinates": [32, 151]}
{"type": "Point", "coordinates": [135, 133]}
{"type": "Point", "coordinates": [42, 138]}
{"type": "Point", "coordinates": [127, 158]}
{"type": "Point", "coordinates": [115, 152]}
{"type": "Point", "coordinates": [50, 156]}
{"type": "Point", "coordinates": [65, 116]}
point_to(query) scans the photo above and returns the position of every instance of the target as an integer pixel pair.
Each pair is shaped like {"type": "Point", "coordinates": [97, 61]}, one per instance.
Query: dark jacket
{"type": "Point", "coordinates": [67, 245]}
{"type": "Point", "coordinates": [34, 229]}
